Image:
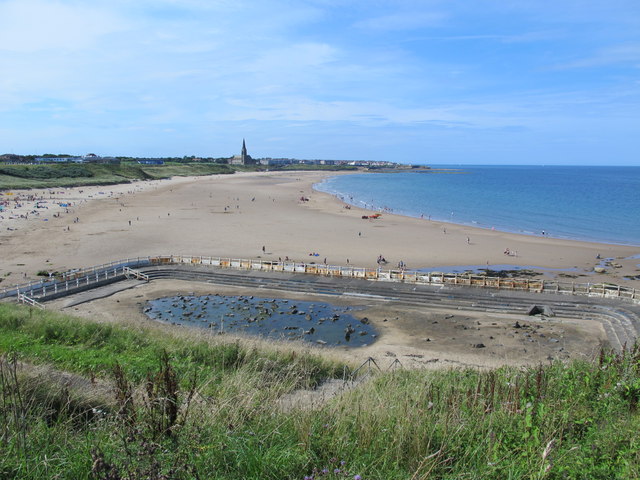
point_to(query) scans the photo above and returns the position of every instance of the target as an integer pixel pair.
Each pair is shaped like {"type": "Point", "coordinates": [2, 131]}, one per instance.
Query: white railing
{"type": "Point", "coordinates": [22, 298]}
{"type": "Point", "coordinates": [130, 272]}
{"type": "Point", "coordinates": [73, 279]}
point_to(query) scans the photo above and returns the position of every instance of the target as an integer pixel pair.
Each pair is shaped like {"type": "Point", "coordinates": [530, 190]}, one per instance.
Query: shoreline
{"type": "Point", "coordinates": [235, 216]}
{"type": "Point", "coordinates": [345, 198]}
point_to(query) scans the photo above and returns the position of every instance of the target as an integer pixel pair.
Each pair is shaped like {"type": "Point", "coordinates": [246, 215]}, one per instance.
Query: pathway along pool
{"type": "Point", "coordinates": [315, 322]}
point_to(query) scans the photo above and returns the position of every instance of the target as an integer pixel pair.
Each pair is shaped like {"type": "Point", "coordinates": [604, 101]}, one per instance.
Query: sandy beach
{"type": "Point", "coordinates": [237, 215]}
{"type": "Point", "coordinates": [279, 215]}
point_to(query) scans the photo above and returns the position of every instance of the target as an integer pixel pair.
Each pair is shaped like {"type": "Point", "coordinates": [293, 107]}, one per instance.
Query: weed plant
{"type": "Point", "coordinates": [211, 410]}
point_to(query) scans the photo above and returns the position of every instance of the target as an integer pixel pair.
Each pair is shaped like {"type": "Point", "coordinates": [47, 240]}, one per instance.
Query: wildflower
{"type": "Point", "coordinates": [336, 470]}
{"type": "Point", "coordinates": [325, 471]}
{"type": "Point", "coordinates": [357, 477]}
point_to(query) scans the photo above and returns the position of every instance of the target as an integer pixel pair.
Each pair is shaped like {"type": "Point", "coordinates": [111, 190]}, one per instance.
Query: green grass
{"type": "Point", "coordinates": [73, 175]}
{"type": "Point", "coordinates": [92, 348]}
{"type": "Point", "coordinates": [187, 407]}
{"type": "Point", "coordinates": [66, 175]}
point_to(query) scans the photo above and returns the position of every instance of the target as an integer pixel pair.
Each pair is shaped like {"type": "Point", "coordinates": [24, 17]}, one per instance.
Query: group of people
{"type": "Point", "coordinates": [20, 207]}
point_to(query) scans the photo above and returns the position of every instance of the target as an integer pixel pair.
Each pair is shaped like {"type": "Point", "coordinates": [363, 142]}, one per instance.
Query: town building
{"type": "Point", "coordinates": [244, 158]}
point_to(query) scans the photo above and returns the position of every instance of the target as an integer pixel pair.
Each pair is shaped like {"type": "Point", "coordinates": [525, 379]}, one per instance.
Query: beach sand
{"type": "Point", "coordinates": [236, 215]}
{"type": "Point", "coordinates": [262, 215]}
{"type": "Point", "coordinates": [416, 337]}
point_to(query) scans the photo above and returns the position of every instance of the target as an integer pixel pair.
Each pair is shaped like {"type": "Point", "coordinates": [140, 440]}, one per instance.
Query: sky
{"type": "Point", "coordinates": [424, 82]}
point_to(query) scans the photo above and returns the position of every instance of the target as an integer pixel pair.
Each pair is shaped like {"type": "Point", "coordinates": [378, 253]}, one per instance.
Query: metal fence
{"type": "Point", "coordinates": [74, 279]}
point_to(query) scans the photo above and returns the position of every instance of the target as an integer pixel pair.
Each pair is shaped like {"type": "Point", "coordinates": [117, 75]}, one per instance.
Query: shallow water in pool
{"type": "Point", "coordinates": [314, 322]}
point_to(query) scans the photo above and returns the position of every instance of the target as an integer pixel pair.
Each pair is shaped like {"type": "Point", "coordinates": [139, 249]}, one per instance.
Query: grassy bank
{"type": "Point", "coordinates": [71, 175]}
{"type": "Point", "coordinates": [74, 175]}
{"type": "Point", "coordinates": [182, 406]}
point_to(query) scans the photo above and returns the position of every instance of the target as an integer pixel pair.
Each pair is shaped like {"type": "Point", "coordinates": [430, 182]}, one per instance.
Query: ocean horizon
{"type": "Point", "coordinates": [587, 203]}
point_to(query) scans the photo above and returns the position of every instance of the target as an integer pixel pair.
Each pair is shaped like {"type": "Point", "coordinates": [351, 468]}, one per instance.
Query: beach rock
{"type": "Point", "coordinates": [479, 345]}
{"type": "Point", "coordinates": [541, 310]}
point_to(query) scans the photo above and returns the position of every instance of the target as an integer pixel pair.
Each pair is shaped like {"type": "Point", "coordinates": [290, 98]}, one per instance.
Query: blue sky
{"type": "Point", "coordinates": [431, 81]}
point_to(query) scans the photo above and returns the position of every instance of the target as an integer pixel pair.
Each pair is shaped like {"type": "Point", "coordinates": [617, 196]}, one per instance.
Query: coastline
{"type": "Point", "coordinates": [235, 216]}
{"type": "Point", "coordinates": [510, 209]}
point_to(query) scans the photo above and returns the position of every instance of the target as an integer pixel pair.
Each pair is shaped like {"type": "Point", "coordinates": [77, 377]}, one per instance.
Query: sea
{"type": "Point", "coordinates": [598, 204]}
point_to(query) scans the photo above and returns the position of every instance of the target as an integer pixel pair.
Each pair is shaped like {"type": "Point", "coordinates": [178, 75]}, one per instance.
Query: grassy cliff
{"type": "Point", "coordinates": [80, 399]}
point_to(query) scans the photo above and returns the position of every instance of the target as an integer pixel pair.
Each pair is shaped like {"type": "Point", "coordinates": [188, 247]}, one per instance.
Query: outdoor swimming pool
{"type": "Point", "coordinates": [315, 322]}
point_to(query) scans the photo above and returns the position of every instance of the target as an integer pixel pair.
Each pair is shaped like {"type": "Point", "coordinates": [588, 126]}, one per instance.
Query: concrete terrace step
{"type": "Point", "coordinates": [620, 325]}
{"type": "Point", "coordinates": [620, 320]}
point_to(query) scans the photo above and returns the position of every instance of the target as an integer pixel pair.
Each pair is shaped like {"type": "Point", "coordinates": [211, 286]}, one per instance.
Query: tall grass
{"type": "Point", "coordinates": [93, 348]}
{"type": "Point", "coordinates": [188, 412]}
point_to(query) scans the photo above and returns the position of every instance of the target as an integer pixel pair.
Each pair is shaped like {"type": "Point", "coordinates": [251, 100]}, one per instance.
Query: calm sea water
{"type": "Point", "coordinates": [599, 204]}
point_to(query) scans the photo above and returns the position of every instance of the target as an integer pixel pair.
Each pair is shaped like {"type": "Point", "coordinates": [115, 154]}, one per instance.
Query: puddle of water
{"type": "Point", "coordinates": [314, 322]}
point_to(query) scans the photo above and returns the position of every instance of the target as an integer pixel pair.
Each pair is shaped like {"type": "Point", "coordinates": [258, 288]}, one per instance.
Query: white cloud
{"type": "Point", "coordinates": [612, 55]}
{"type": "Point", "coordinates": [402, 21]}
{"type": "Point", "coordinates": [38, 25]}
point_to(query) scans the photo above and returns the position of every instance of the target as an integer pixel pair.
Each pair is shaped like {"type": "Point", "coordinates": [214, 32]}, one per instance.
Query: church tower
{"type": "Point", "coordinates": [243, 154]}
{"type": "Point", "coordinates": [244, 158]}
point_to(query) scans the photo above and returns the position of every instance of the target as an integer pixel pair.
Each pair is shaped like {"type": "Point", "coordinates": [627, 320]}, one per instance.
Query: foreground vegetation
{"type": "Point", "coordinates": [184, 406]}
